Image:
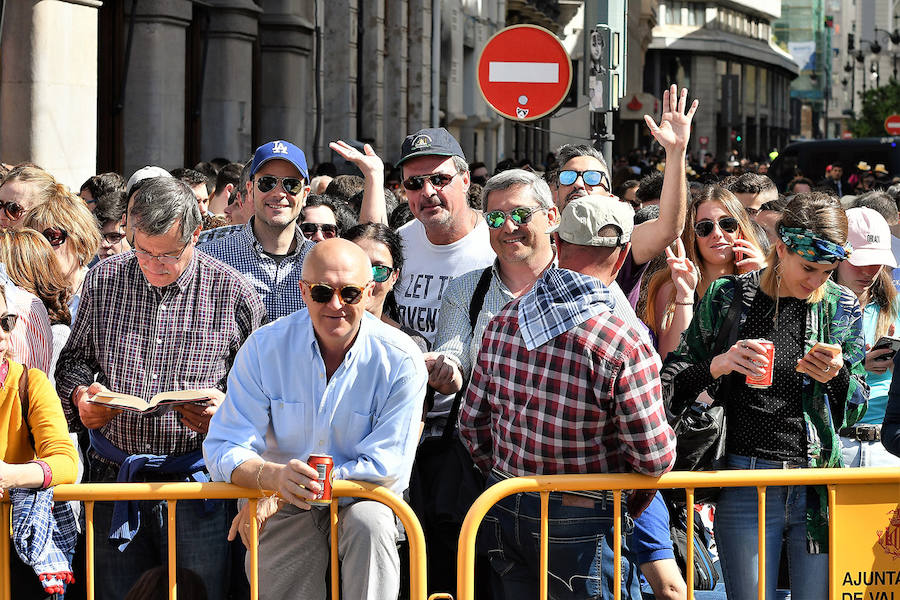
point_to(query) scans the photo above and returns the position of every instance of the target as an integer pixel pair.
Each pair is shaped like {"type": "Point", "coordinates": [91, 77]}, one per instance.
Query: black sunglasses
{"type": "Point", "coordinates": [437, 180]}
{"type": "Point", "coordinates": [705, 227]}
{"type": "Point", "coordinates": [56, 236]}
{"type": "Point", "coordinates": [310, 229]}
{"type": "Point", "coordinates": [322, 293]}
{"type": "Point", "coordinates": [291, 185]}
{"type": "Point", "coordinates": [381, 273]}
{"type": "Point", "coordinates": [8, 322]}
{"type": "Point", "coordinates": [13, 210]}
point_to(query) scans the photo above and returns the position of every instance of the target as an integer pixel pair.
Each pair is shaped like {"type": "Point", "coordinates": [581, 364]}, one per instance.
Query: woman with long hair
{"type": "Point", "coordinates": [23, 188]}
{"type": "Point", "coordinates": [71, 229]}
{"type": "Point", "coordinates": [718, 240]}
{"type": "Point", "coordinates": [817, 387]}
{"type": "Point", "coordinates": [868, 275]}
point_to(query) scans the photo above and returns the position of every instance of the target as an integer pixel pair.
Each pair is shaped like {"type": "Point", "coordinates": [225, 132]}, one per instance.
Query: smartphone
{"type": "Point", "coordinates": [887, 342]}
{"type": "Point", "coordinates": [832, 349]}
{"type": "Point", "coordinates": [738, 253]}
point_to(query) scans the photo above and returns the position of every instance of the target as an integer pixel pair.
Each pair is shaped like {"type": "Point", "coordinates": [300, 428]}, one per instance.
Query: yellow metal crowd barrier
{"type": "Point", "coordinates": [761, 479]}
{"type": "Point", "coordinates": [173, 492]}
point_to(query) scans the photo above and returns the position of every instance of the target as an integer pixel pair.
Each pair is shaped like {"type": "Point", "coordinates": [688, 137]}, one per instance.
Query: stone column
{"type": "Point", "coordinates": [48, 88]}
{"type": "Point", "coordinates": [287, 73]}
{"type": "Point", "coordinates": [371, 72]}
{"type": "Point", "coordinates": [419, 65]}
{"type": "Point", "coordinates": [339, 50]}
{"type": "Point", "coordinates": [153, 117]}
{"type": "Point", "coordinates": [227, 82]}
{"type": "Point", "coordinates": [396, 124]}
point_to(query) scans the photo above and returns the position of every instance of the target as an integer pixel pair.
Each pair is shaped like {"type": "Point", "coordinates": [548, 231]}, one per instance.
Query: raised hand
{"type": "Point", "coordinates": [674, 129]}
{"type": "Point", "coordinates": [747, 256]}
{"type": "Point", "coordinates": [369, 163]}
{"type": "Point", "coordinates": [685, 275]}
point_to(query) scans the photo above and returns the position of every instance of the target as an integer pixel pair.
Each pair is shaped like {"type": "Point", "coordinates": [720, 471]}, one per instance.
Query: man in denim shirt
{"type": "Point", "coordinates": [329, 379]}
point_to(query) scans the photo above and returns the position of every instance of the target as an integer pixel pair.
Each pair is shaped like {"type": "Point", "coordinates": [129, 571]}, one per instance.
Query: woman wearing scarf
{"type": "Point", "coordinates": [793, 422]}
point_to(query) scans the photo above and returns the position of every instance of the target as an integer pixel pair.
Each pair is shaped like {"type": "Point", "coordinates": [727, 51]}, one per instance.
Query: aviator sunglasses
{"type": "Point", "coordinates": [291, 185]}
{"type": "Point", "coordinates": [437, 180]}
{"type": "Point", "coordinates": [322, 293]}
{"type": "Point", "coordinates": [520, 216]}
{"type": "Point", "coordinates": [705, 227]}
{"type": "Point", "coordinates": [591, 178]}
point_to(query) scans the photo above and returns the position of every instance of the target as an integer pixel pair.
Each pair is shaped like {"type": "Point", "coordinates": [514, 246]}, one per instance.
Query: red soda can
{"type": "Point", "coordinates": [324, 465]}
{"type": "Point", "coordinates": [764, 380]}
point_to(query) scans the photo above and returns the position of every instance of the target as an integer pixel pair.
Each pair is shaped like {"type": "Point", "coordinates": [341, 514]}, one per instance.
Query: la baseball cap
{"type": "Point", "coordinates": [584, 217]}
{"type": "Point", "coordinates": [281, 150]}
{"type": "Point", "coordinates": [430, 142]}
{"type": "Point", "coordinates": [147, 172]}
{"type": "Point", "coordinates": [870, 236]}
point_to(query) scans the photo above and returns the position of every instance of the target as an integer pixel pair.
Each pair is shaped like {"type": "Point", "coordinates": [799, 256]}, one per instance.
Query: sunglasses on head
{"type": "Point", "coordinates": [520, 216]}
{"type": "Point", "coordinates": [322, 293]}
{"type": "Point", "coordinates": [56, 236]}
{"type": "Point", "coordinates": [8, 322]}
{"type": "Point", "coordinates": [381, 273]}
{"type": "Point", "coordinates": [310, 229]}
{"type": "Point", "coordinates": [705, 227]}
{"type": "Point", "coordinates": [13, 210]}
{"type": "Point", "coordinates": [437, 180]}
{"type": "Point", "coordinates": [591, 177]}
{"type": "Point", "coordinates": [291, 185]}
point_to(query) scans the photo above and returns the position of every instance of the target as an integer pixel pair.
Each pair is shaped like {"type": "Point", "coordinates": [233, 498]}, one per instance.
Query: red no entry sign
{"type": "Point", "coordinates": [524, 72]}
{"type": "Point", "coordinates": [892, 124]}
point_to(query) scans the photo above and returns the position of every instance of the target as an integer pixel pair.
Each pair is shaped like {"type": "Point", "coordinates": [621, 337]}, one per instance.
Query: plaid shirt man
{"type": "Point", "coordinates": [277, 281]}
{"type": "Point", "coordinates": [562, 385]}
{"type": "Point", "coordinates": [139, 339]}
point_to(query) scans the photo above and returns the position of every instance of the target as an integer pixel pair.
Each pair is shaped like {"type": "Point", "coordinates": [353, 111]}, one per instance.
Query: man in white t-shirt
{"type": "Point", "coordinates": [446, 238]}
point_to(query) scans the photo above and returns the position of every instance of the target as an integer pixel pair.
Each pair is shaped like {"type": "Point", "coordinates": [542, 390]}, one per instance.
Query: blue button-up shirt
{"type": "Point", "coordinates": [278, 283]}
{"type": "Point", "coordinates": [281, 405]}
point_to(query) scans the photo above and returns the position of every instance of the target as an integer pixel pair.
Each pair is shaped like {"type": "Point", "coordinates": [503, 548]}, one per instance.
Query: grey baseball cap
{"type": "Point", "coordinates": [584, 217]}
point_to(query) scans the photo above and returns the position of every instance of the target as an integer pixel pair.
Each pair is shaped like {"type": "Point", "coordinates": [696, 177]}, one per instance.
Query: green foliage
{"type": "Point", "coordinates": [877, 104]}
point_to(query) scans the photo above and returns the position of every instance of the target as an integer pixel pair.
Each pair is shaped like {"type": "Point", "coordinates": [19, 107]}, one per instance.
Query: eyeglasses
{"type": "Point", "coordinates": [13, 210]}
{"type": "Point", "coordinates": [322, 293]}
{"type": "Point", "coordinates": [591, 178]}
{"type": "Point", "coordinates": [113, 237]}
{"type": "Point", "coordinates": [752, 211]}
{"type": "Point", "coordinates": [291, 185]}
{"type": "Point", "coordinates": [166, 259]}
{"type": "Point", "coordinates": [56, 236]}
{"type": "Point", "coordinates": [705, 227]}
{"type": "Point", "coordinates": [520, 216]}
{"type": "Point", "coordinates": [310, 229]}
{"type": "Point", "coordinates": [437, 180]}
{"type": "Point", "coordinates": [8, 322]}
{"type": "Point", "coordinates": [381, 273]}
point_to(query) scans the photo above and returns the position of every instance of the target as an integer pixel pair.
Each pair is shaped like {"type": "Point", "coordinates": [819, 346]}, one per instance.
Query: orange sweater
{"type": "Point", "coordinates": [48, 425]}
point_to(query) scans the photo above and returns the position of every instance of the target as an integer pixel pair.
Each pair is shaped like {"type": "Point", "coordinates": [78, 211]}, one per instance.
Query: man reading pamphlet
{"type": "Point", "coordinates": [158, 403]}
{"type": "Point", "coordinates": [164, 318]}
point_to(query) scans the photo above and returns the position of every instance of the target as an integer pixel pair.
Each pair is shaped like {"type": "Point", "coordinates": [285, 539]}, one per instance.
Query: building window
{"type": "Point", "coordinates": [697, 14]}
{"type": "Point", "coordinates": [763, 87]}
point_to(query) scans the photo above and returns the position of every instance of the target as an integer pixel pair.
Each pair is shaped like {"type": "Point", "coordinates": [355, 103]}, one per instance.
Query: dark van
{"type": "Point", "coordinates": [813, 156]}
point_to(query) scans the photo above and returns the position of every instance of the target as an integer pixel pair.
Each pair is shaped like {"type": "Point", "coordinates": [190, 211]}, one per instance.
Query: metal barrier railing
{"type": "Point", "coordinates": [173, 492]}
{"type": "Point", "coordinates": [761, 479]}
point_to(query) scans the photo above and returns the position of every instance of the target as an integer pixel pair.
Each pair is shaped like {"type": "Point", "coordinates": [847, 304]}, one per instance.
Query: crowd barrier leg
{"type": "Point", "coordinates": [5, 549]}
{"type": "Point", "coordinates": [761, 542]}
{"type": "Point", "coordinates": [89, 541]}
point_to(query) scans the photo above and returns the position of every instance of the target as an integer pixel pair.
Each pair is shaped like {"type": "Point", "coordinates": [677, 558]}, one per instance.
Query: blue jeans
{"type": "Point", "coordinates": [580, 551]}
{"type": "Point", "coordinates": [736, 538]}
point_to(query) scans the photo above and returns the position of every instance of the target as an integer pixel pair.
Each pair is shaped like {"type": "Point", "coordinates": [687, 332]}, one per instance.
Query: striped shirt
{"type": "Point", "coordinates": [277, 282]}
{"type": "Point", "coordinates": [585, 399]}
{"type": "Point", "coordinates": [139, 339]}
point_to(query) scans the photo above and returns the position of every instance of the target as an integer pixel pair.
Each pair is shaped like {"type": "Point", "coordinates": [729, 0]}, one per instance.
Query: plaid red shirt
{"type": "Point", "coordinates": [587, 401]}
{"type": "Point", "coordinates": [139, 339]}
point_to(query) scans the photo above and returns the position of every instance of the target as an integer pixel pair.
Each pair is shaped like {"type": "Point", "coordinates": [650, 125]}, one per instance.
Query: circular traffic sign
{"type": "Point", "coordinates": [524, 72]}
{"type": "Point", "coordinates": [892, 124]}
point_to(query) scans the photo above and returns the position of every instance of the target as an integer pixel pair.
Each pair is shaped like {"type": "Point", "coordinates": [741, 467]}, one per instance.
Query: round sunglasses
{"type": "Point", "coordinates": [13, 210]}
{"type": "Point", "coordinates": [56, 236]}
{"type": "Point", "coordinates": [291, 185]}
{"type": "Point", "coordinates": [323, 293]}
{"type": "Point", "coordinates": [437, 180]}
{"type": "Point", "coordinates": [705, 227]}
{"type": "Point", "coordinates": [310, 229]}
{"type": "Point", "coordinates": [591, 177]}
{"type": "Point", "coordinates": [381, 273]}
{"type": "Point", "coordinates": [520, 216]}
{"type": "Point", "coordinates": [8, 322]}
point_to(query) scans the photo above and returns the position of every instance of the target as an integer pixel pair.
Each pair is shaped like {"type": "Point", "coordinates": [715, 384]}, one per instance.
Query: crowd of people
{"type": "Point", "coordinates": [436, 329]}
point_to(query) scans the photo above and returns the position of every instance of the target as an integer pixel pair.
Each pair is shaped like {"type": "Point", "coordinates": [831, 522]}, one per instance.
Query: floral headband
{"type": "Point", "coordinates": [814, 249]}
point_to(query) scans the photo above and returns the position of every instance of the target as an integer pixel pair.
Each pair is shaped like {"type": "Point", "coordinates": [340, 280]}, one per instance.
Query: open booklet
{"type": "Point", "coordinates": [159, 402]}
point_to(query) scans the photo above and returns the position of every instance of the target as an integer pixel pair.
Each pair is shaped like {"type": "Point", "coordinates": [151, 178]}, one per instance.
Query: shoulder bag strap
{"type": "Point", "coordinates": [475, 306]}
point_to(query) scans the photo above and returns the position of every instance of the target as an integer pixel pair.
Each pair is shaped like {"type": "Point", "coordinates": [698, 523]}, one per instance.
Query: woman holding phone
{"type": "Point", "coordinates": [718, 239]}
{"type": "Point", "coordinates": [793, 422]}
{"type": "Point", "coordinates": [868, 275]}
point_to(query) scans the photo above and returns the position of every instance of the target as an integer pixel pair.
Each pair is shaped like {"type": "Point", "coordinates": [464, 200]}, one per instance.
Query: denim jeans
{"type": "Point", "coordinates": [202, 545]}
{"type": "Point", "coordinates": [580, 550]}
{"type": "Point", "coordinates": [866, 454]}
{"type": "Point", "coordinates": [736, 538]}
